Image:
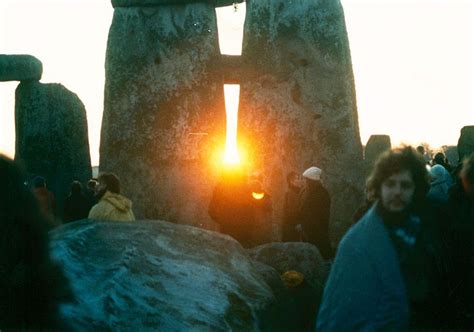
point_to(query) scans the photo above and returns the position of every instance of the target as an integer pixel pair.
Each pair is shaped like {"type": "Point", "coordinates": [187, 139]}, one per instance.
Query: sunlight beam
{"type": "Point", "coordinates": [231, 94]}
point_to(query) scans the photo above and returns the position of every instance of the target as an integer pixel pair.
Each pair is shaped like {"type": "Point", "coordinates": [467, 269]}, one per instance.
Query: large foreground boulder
{"type": "Point", "coordinates": [20, 68]}
{"type": "Point", "coordinates": [51, 135]}
{"type": "Point", "coordinates": [154, 275]}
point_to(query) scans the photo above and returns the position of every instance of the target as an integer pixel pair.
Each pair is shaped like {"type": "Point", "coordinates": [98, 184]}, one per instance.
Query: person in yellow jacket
{"type": "Point", "coordinates": [111, 205]}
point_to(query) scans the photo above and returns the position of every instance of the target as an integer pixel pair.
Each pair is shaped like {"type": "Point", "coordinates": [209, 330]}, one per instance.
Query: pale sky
{"type": "Point", "coordinates": [412, 61]}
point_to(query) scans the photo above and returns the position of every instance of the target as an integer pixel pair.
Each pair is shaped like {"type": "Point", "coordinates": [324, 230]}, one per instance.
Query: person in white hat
{"type": "Point", "coordinates": [314, 210]}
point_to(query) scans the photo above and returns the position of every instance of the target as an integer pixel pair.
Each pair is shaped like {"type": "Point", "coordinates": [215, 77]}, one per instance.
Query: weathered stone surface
{"type": "Point", "coordinates": [20, 68]}
{"type": "Point", "coordinates": [298, 306]}
{"type": "Point", "coordinates": [297, 103]}
{"type": "Point", "coordinates": [451, 152]}
{"type": "Point", "coordinates": [298, 256]}
{"type": "Point", "coordinates": [466, 142]}
{"type": "Point", "coordinates": [158, 276]}
{"type": "Point", "coordinates": [164, 113]}
{"type": "Point", "coordinates": [155, 3]}
{"type": "Point", "coordinates": [51, 135]}
{"type": "Point", "coordinates": [376, 145]}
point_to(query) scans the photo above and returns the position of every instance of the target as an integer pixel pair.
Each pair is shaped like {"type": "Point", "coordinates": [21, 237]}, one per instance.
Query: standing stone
{"type": "Point", "coordinates": [451, 153]}
{"type": "Point", "coordinates": [164, 110]}
{"type": "Point", "coordinates": [376, 145]}
{"type": "Point", "coordinates": [20, 68]}
{"type": "Point", "coordinates": [51, 136]}
{"type": "Point", "coordinates": [297, 103]}
{"type": "Point", "coordinates": [466, 142]}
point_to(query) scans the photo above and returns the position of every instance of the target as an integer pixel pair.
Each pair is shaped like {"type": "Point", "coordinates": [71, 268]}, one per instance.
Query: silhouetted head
{"type": "Point", "coordinates": [39, 182]}
{"type": "Point", "coordinates": [110, 182]}
{"type": "Point", "coordinates": [400, 179]}
{"type": "Point", "coordinates": [420, 149]}
{"type": "Point", "coordinates": [439, 159]}
{"type": "Point", "coordinates": [76, 187]}
{"type": "Point", "coordinates": [91, 184]}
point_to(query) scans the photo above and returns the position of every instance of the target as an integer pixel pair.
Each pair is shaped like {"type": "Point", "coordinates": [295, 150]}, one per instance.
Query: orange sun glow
{"type": "Point", "coordinates": [258, 196]}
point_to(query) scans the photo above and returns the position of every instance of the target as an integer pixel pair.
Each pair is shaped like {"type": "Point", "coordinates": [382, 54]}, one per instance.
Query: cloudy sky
{"type": "Point", "coordinates": [412, 60]}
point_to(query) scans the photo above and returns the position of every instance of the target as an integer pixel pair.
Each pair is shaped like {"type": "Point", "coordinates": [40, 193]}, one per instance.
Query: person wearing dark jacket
{"type": "Point", "coordinates": [314, 211]}
{"type": "Point", "coordinates": [76, 205]}
{"type": "Point", "coordinates": [231, 207]}
{"type": "Point", "coordinates": [290, 209]}
{"type": "Point", "coordinates": [461, 243]}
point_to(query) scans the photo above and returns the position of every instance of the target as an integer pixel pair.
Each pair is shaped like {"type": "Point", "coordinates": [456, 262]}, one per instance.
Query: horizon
{"type": "Point", "coordinates": [404, 72]}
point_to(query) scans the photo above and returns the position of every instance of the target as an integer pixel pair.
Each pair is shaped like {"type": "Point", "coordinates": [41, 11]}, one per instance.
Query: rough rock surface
{"type": "Point", "coordinates": [164, 112]}
{"type": "Point", "coordinates": [20, 68]}
{"type": "Point", "coordinates": [158, 276]}
{"type": "Point", "coordinates": [376, 145]}
{"type": "Point", "coordinates": [51, 135]}
{"type": "Point", "coordinates": [451, 152]}
{"type": "Point", "coordinates": [466, 142]}
{"type": "Point", "coordinates": [297, 256]}
{"type": "Point", "coordinates": [298, 306]}
{"type": "Point", "coordinates": [297, 103]}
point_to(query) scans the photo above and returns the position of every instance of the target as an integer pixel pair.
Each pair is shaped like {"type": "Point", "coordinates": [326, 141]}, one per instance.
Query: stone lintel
{"type": "Point", "coordinates": [20, 67]}
{"type": "Point", "coordinates": [154, 3]}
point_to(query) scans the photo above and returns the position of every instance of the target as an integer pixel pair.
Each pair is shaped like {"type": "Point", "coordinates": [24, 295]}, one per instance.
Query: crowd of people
{"type": "Point", "coordinates": [243, 210]}
{"type": "Point", "coordinates": [406, 262]}
{"type": "Point", "coordinates": [101, 200]}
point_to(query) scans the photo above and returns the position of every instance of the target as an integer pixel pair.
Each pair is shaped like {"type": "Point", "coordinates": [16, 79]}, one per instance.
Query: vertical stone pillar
{"type": "Point", "coordinates": [51, 136]}
{"type": "Point", "coordinates": [376, 145]}
{"type": "Point", "coordinates": [164, 114]}
{"type": "Point", "coordinates": [466, 142]}
{"type": "Point", "coordinates": [297, 103]}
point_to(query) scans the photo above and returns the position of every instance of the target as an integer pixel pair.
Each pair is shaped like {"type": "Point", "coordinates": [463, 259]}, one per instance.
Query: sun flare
{"type": "Point", "coordinates": [258, 196]}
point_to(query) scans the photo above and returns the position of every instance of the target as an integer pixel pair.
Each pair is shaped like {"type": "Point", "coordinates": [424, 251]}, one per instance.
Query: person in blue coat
{"type": "Point", "coordinates": [385, 275]}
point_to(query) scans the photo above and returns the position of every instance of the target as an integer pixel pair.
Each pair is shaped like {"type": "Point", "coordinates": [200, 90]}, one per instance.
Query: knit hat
{"type": "Point", "coordinates": [313, 173]}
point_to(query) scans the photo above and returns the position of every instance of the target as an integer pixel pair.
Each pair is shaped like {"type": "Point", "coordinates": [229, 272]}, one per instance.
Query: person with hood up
{"type": "Point", "coordinates": [111, 205]}
{"type": "Point", "coordinates": [314, 209]}
{"type": "Point", "coordinates": [441, 182]}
